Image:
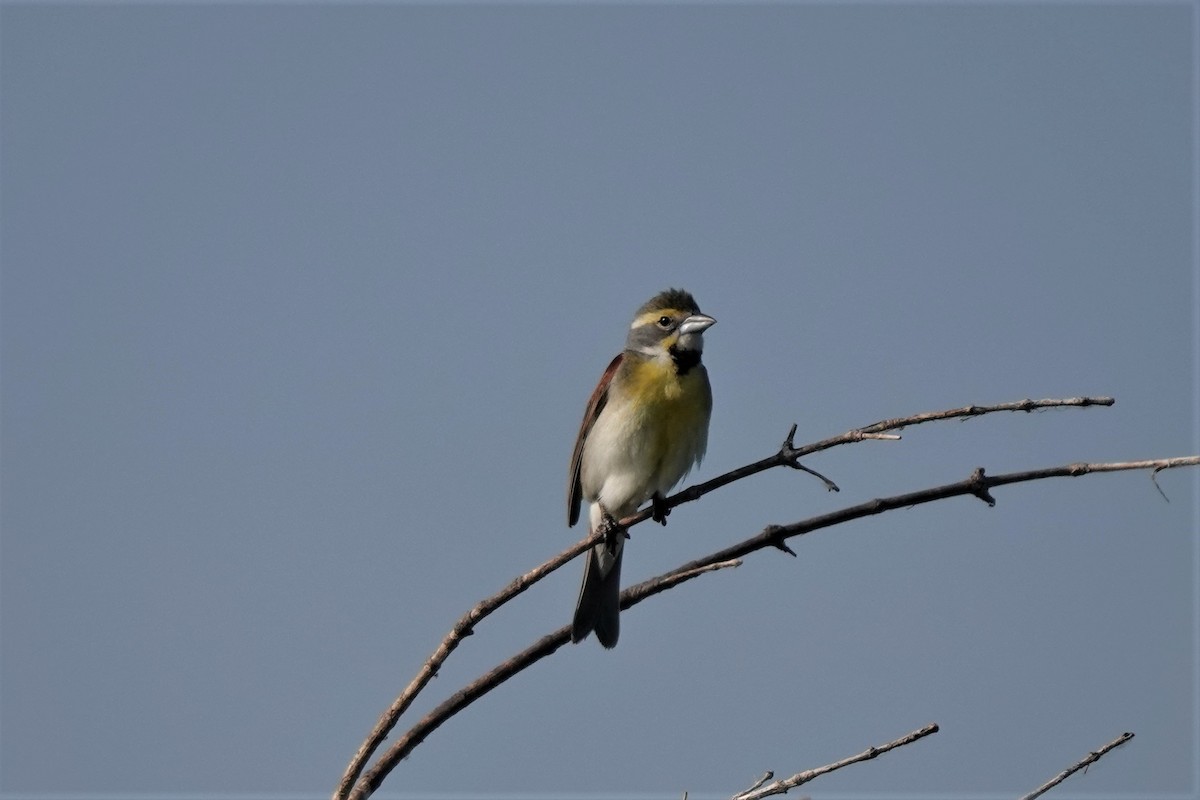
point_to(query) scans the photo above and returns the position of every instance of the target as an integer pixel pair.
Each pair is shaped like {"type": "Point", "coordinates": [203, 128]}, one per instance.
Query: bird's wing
{"type": "Point", "coordinates": [594, 407]}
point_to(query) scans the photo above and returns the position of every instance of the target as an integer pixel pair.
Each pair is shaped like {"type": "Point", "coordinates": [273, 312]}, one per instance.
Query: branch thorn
{"type": "Point", "coordinates": [775, 533]}
{"type": "Point", "coordinates": [789, 442]}
{"type": "Point", "coordinates": [788, 455]}
{"type": "Point", "coordinates": [829, 485]}
{"type": "Point", "coordinates": [980, 489]}
{"type": "Point", "coordinates": [1154, 480]}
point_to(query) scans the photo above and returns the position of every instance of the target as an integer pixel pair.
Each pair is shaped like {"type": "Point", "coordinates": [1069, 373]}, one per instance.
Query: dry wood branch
{"type": "Point", "coordinates": [977, 484]}
{"type": "Point", "coordinates": [463, 628]}
{"type": "Point", "coordinates": [372, 778]}
{"type": "Point", "coordinates": [1082, 764]}
{"type": "Point", "coordinates": [788, 455]}
{"type": "Point", "coordinates": [766, 776]}
{"type": "Point", "coordinates": [759, 791]}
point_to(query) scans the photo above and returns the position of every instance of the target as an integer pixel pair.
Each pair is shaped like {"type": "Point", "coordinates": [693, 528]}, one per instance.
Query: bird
{"type": "Point", "coordinates": [645, 427]}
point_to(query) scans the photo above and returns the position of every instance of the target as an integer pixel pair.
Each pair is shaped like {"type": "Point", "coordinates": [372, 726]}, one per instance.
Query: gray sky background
{"type": "Point", "coordinates": [301, 305]}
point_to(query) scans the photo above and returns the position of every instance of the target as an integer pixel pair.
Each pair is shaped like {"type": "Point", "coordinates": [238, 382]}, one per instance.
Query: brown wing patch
{"type": "Point", "coordinates": [595, 405]}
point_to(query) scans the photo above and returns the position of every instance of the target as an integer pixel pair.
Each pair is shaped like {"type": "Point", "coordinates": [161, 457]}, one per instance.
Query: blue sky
{"type": "Point", "coordinates": [300, 306]}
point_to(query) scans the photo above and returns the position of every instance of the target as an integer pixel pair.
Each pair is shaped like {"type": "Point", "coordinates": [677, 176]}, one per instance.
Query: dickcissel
{"type": "Point", "coordinates": [645, 426]}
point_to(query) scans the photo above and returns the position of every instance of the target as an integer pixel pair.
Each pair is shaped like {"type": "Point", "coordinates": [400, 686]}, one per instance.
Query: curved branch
{"type": "Point", "coordinates": [464, 627]}
{"type": "Point", "coordinates": [787, 455]}
{"type": "Point", "coordinates": [977, 485]}
{"type": "Point", "coordinates": [373, 778]}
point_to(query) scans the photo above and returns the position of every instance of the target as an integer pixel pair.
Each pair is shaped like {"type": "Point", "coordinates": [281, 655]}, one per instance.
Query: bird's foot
{"type": "Point", "coordinates": [612, 530]}
{"type": "Point", "coordinates": [659, 509]}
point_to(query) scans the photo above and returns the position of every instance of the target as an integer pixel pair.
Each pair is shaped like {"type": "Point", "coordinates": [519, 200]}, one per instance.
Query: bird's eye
{"type": "Point", "coordinates": [664, 322]}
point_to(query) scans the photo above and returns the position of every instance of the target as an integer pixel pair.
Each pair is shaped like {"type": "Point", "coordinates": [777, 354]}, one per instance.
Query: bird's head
{"type": "Point", "coordinates": [669, 325]}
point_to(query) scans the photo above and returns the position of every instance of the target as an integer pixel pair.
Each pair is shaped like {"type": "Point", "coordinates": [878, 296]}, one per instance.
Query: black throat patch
{"type": "Point", "coordinates": [684, 359]}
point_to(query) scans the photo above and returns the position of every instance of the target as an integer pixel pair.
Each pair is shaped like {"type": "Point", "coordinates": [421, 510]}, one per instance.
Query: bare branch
{"type": "Point", "coordinates": [758, 791]}
{"type": "Point", "coordinates": [373, 778]}
{"type": "Point", "coordinates": [789, 455]}
{"type": "Point", "coordinates": [1089, 759]}
{"type": "Point", "coordinates": [978, 485]}
{"type": "Point", "coordinates": [463, 628]}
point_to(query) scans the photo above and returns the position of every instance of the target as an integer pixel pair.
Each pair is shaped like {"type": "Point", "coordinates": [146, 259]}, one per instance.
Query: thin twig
{"type": "Point", "coordinates": [1083, 764]}
{"type": "Point", "coordinates": [766, 776]}
{"type": "Point", "coordinates": [758, 791]}
{"type": "Point", "coordinates": [977, 485]}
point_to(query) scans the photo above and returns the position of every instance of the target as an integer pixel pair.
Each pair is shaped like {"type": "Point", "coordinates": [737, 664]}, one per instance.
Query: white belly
{"type": "Point", "coordinates": [630, 457]}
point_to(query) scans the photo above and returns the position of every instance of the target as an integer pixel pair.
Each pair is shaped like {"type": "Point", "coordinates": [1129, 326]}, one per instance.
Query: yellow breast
{"type": "Point", "coordinates": [674, 409]}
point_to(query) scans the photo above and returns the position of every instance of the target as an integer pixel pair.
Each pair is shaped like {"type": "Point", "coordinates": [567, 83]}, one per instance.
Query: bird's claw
{"type": "Point", "coordinates": [611, 530]}
{"type": "Point", "coordinates": [659, 509]}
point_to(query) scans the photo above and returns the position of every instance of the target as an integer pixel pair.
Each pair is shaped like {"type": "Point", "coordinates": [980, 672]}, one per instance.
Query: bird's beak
{"type": "Point", "coordinates": [696, 323]}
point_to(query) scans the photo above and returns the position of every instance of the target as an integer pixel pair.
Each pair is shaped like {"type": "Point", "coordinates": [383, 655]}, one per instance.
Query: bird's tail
{"type": "Point", "coordinates": [598, 607]}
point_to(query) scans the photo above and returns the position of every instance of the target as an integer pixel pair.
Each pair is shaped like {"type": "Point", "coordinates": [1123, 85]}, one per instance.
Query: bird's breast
{"type": "Point", "coordinates": [650, 433]}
